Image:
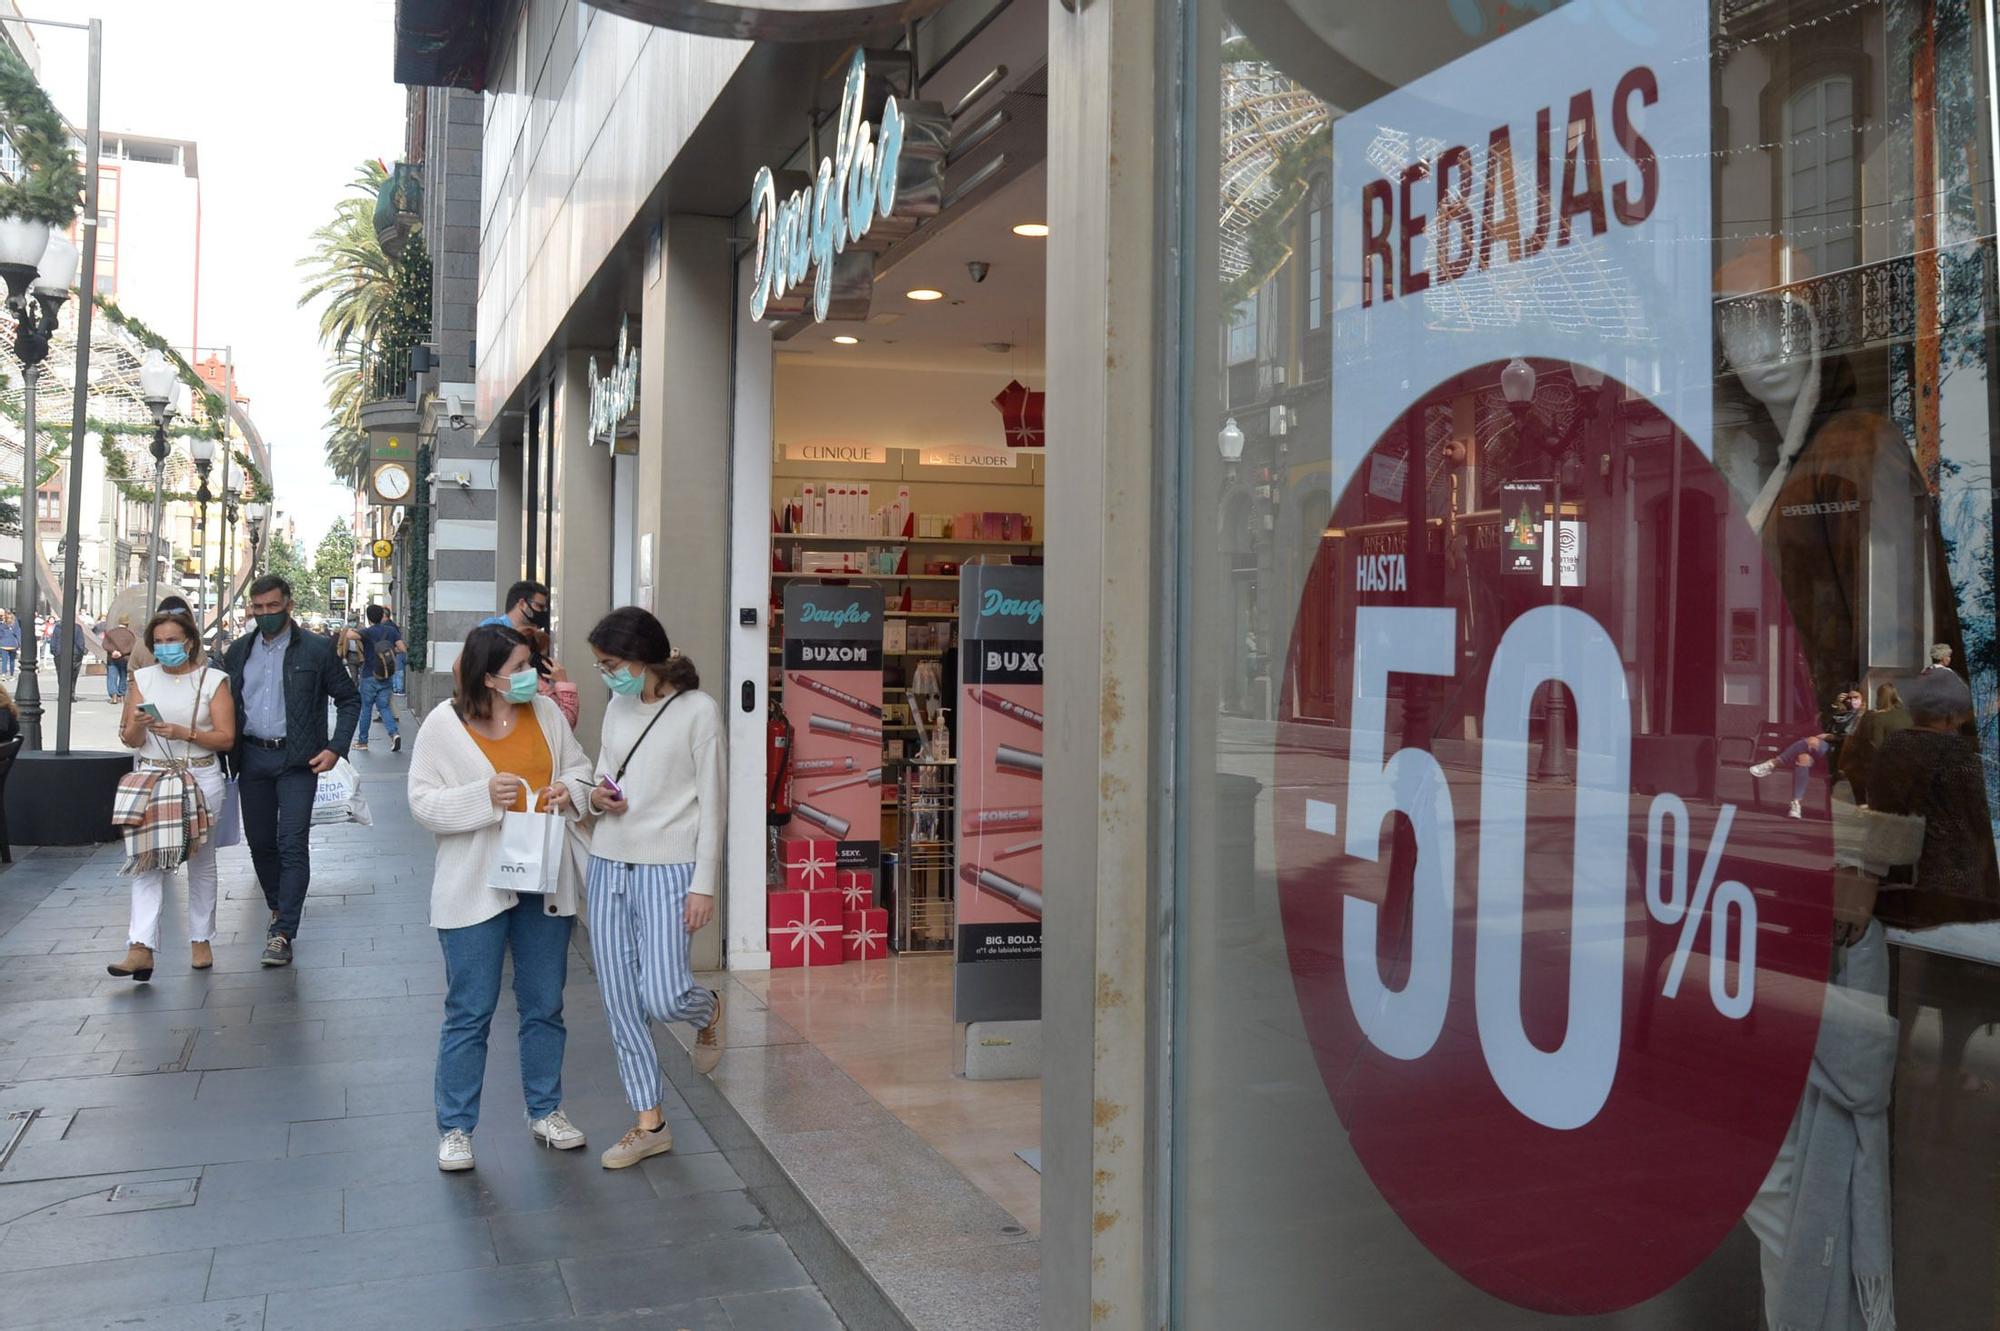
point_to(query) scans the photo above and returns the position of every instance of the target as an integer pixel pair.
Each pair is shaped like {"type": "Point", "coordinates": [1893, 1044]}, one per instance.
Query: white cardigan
{"type": "Point", "coordinates": [448, 795]}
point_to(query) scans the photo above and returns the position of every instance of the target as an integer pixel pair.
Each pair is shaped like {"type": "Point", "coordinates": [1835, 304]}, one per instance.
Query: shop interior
{"type": "Point", "coordinates": [892, 469]}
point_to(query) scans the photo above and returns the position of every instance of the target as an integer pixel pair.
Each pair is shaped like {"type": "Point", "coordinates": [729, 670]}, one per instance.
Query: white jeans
{"type": "Point", "coordinates": [149, 888]}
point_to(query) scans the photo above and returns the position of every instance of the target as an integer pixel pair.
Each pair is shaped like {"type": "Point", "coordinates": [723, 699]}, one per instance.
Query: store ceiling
{"type": "Point", "coordinates": [954, 333]}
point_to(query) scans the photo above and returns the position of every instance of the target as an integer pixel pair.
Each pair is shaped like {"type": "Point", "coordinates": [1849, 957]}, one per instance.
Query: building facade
{"type": "Point", "coordinates": [1598, 397]}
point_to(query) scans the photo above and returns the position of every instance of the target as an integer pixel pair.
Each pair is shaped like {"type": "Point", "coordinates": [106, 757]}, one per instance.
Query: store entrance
{"type": "Point", "coordinates": [905, 556]}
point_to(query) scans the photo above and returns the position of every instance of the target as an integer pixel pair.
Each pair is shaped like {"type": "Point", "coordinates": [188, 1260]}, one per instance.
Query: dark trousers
{"type": "Point", "coordinates": [277, 803]}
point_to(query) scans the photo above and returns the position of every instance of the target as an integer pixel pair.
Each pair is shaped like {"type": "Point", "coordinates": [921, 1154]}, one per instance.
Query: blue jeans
{"type": "Point", "coordinates": [1813, 747]}
{"type": "Point", "coordinates": [115, 674]}
{"type": "Point", "coordinates": [472, 958]}
{"type": "Point", "coordinates": [7, 655]}
{"type": "Point", "coordinates": [376, 696]}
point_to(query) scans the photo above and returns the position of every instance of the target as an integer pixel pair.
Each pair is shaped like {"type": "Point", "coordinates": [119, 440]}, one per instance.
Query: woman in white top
{"type": "Point", "coordinates": [497, 745]}
{"type": "Point", "coordinates": [196, 722]}
{"type": "Point", "coordinates": [655, 857]}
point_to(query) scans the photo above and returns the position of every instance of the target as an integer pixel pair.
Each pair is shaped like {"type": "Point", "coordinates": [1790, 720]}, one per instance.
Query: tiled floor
{"type": "Point", "coordinates": [255, 1149]}
{"type": "Point", "coordinates": [887, 1024]}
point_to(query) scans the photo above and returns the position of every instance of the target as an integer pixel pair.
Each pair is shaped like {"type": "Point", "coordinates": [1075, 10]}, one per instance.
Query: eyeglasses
{"type": "Point", "coordinates": [609, 669]}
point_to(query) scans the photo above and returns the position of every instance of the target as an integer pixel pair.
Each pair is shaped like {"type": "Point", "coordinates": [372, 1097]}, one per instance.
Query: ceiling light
{"type": "Point", "coordinates": [925, 293]}
{"type": "Point", "coordinates": [1033, 229]}
{"type": "Point", "coordinates": [846, 340]}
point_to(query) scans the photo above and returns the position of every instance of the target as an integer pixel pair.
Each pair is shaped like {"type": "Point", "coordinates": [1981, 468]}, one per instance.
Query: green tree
{"type": "Point", "coordinates": [346, 266]}
{"type": "Point", "coordinates": [333, 559]}
{"type": "Point", "coordinates": [287, 559]}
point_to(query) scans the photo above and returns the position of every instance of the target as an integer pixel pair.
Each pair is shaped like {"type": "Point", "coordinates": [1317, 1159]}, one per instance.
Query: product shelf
{"type": "Point", "coordinates": [778, 536]}
{"type": "Point", "coordinates": [874, 577]}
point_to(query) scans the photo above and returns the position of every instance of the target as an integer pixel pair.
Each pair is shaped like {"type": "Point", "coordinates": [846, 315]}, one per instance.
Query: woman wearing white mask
{"type": "Point", "coordinates": [189, 720]}
{"type": "Point", "coordinates": [496, 745]}
{"type": "Point", "coordinates": [654, 860]}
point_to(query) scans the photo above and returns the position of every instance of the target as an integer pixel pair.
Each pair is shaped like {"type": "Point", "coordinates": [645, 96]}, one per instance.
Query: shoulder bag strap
{"type": "Point", "coordinates": [620, 778]}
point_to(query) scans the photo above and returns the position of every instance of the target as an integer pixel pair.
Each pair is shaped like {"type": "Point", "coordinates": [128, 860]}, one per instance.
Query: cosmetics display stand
{"type": "Point", "coordinates": [926, 806]}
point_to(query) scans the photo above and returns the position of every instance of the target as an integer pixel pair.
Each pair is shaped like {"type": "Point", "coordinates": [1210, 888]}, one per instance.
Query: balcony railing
{"type": "Point", "coordinates": [386, 375]}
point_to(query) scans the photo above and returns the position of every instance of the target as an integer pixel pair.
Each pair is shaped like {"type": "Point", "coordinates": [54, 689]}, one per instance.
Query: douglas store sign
{"type": "Point", "coordinates": [870, 193]}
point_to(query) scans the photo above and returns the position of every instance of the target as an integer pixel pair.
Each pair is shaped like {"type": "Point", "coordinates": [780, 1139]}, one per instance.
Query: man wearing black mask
{"type": "Point", "coordinates": [527, 614]}
{"type": "Point", "coordinates": [282, 679]}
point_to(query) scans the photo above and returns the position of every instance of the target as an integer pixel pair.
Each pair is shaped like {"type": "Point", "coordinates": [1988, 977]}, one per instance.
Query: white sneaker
{"type": "Point", "coordinates": [1763, 769]}
{"type": "Point", "coordinates": [1795, 811]}
{"type": "Point", "coordinates": [556, 1131]}
{"type": "Point", "coordinates": [455, 1150]}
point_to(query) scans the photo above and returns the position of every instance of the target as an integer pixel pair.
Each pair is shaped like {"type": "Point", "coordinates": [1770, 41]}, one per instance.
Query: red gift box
{"type": "Point", "coordinates": [864, 934]}
{"type": "Point", "coordinates": [804, 929]}
{"type": "Point", "coordinates": [808, 863]}
{"type": "Point", "coordinates": [857, 889]}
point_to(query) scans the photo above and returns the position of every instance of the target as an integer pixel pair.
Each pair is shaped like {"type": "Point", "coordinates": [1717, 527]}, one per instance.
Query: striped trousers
{"type": "Point", "coordinates": [640, 947]}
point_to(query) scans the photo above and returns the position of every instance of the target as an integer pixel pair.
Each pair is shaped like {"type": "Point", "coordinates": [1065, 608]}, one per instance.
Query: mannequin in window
{"type": "Point", "coordinates": [1829, 482]}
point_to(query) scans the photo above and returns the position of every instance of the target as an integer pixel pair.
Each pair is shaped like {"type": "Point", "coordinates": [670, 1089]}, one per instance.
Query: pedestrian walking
{"type": "Point", "coordinates": [119, 640]}
{"type": "Point", "coordinates": [282, 679]}
{"type": "Point", "coordinates": [10, 644]}
{"type": "Point", "coordinates": [656, 850]}
{"type": "Point", "coordinates": [381, 642]}
{"type": "Point", "coordinates": [178, 714]}
{"type": "Point", "coordinates": [497, 745]}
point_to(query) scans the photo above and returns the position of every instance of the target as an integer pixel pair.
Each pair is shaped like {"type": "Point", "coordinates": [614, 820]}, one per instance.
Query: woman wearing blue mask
{"type": "Point", "coordinates": [656, 855]}
{"type": "Point", "coordinates": [497, 745]}
{"type": "Point", "coordinates": [192, 720]}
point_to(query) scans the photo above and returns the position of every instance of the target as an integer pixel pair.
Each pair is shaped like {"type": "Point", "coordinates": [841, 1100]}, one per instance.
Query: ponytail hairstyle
{"type": "Point", "coordinates": [634, 635]}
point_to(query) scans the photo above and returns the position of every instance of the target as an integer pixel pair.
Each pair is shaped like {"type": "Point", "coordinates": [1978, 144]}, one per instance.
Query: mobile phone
{"type": "Point", "coordinates": [152, 710]}
{"type": "Point", "coordinates": [610, 788]}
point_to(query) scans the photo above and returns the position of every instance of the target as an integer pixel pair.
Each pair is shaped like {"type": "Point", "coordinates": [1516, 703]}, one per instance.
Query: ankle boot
{"type": "Point", "coordinates": [138, 963]}
{"type": "Point", "coordinates": [204, 957]}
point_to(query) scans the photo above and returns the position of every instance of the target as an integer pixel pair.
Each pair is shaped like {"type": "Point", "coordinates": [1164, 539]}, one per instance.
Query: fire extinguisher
{"type": "Point", "coordinates": [778, 766]}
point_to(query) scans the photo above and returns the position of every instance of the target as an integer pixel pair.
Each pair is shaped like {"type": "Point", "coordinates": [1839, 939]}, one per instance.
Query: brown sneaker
{"type": "Point", "coordinates": [636, 1145]}
{"type": "Point", "coordinates": [138, 963]}
{"type": "Point", "coordinates": [708, 1041]}
{"type": "Point", "coordinates": [203, 956]}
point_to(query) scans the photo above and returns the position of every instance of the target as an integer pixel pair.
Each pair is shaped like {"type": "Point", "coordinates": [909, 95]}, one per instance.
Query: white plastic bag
{"type": "Point", "coordinates": [531, 850]}
{"type": "Point", "coordinates": [337, 799]}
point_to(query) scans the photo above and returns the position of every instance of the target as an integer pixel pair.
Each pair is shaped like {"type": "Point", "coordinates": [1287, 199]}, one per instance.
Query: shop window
{"type": "Point", "coordinates": [1243, 331]}
{"type": "Point", "coordinates": [1319, 237]}
{"type": "Point", "coordinates": [1821, 184]}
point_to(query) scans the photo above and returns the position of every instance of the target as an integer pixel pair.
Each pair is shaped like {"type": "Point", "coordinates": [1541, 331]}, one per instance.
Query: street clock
{"type": "Point", "coordinates": [391, 482]}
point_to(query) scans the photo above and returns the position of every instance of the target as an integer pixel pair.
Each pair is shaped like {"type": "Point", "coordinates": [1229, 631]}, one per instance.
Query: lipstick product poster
{"type": "Point", "coordinates": [999, 971]}
{"type": "Point", "coordinates": [833, 698]}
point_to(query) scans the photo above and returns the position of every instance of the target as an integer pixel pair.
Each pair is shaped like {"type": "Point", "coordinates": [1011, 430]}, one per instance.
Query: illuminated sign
{"type": "Point", "coordinates": [824, 226]}
{"type": "Point", "coordinates": [612, 396]}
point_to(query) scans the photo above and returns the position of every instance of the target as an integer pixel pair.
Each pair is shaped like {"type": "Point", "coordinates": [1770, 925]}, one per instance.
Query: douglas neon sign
{"type": "Point", "coordinates": [830, 226]}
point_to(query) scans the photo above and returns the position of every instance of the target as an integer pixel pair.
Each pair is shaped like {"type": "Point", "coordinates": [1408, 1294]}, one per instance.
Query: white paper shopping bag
{"type": "Point", "coordinates": [530, 858]}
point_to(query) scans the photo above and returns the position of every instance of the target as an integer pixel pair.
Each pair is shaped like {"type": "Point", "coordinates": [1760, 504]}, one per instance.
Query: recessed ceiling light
{"type": "Point", "coordinates": [845, 340]}
{"type": "Point", "coordinates": [925, 293]}
{"type": "Point", "coordinates": [1036, 229]}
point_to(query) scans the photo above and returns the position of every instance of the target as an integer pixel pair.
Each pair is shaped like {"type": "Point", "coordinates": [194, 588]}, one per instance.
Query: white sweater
{"type": "Point", "coordinates": [674, 787]}
{"type": "Point", "coordinates": [448, 795]}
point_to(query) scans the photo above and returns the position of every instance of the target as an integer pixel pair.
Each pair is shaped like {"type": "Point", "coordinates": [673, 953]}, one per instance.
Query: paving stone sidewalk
{"type": "Point", "coordinates": [252, 1148]}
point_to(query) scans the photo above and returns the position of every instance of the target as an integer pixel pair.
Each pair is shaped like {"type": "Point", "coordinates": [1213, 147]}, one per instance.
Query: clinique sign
{"type": "Point", "coordinates": [870, 193]}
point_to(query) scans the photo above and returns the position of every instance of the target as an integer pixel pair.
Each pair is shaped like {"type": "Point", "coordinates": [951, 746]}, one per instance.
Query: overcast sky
{"type": "Point", "coordinates": [283, 100]}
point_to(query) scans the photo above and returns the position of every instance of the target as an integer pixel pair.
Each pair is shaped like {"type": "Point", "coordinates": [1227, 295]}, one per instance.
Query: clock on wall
{"type": "Point", "coordinates": [392, 482]}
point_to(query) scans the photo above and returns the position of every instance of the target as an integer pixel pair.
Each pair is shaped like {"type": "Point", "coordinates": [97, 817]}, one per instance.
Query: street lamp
{"type": "Point", "coordinates": [202, 449]}
{"type": "Point", "coordinates": [256, 511]}
{"type": "Point", "coordinates": [161, 389]}
{"type": "Point", "coordinates": [232, 498]}
{"type": "Point", "coordinates": [1517, 385]}
{"type": "Point", "coordinates": [35, 296]}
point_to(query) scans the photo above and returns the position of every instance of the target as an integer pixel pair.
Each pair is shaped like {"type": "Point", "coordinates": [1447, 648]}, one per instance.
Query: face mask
{"type": "Point", "coordinates": [539, 618]}
{"type": "Point", "coordinates": [273, 624]}
{"type": "Point", "coordinates": [171, 653]}
{"type": "Point", "coordinates": [625, 682]}
{"type": "Point", "coordinates": [522, 685]}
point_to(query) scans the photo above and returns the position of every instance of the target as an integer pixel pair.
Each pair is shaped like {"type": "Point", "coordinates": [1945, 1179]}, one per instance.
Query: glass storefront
{"type": "Point", "coordinates": [1588, 745]}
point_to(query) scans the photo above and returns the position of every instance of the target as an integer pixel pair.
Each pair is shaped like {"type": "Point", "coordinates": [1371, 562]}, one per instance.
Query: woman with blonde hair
{"type": "Point", "coordinates": [177, 711]}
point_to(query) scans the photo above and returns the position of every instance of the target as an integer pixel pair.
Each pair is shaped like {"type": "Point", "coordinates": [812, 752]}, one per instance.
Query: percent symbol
{"type": "Point", "coordinates": [1668, 902]}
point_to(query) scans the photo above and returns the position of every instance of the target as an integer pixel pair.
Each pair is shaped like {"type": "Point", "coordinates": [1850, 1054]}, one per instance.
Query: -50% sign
{"type": "Point", "coordinates": [1565, 1027]}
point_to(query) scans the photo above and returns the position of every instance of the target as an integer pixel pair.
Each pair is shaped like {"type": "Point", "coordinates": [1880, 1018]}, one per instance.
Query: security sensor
{"type": "Point", "coordinates": [978, 269]}
{"type": "Point", "coordinates": [457, 403]}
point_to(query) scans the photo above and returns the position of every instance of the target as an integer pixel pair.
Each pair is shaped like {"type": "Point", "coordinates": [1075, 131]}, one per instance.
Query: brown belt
{"type": "Point", "coordinates": [207, 760]}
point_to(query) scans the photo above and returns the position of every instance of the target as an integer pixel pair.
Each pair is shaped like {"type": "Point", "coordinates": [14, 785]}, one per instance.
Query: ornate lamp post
{"type": "Point", "coordinates": [1517, 384]}
{"type": "Point", "coordinates": [161, 388]}
{"type": "Point", "coordinates": [232, 498]}
{"type": "Point", "coordinates": [255, 512]}
{"type": "Point", "coordinates": [35, 294]}
{"type": "Point", "coordinates": [202, 449]}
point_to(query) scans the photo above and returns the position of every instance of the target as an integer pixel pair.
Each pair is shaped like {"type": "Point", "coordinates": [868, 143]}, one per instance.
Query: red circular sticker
{"type": "Point", "coordinates": [1564, 1001]}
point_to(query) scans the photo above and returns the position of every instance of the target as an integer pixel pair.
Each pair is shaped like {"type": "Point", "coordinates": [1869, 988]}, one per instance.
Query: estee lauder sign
{"type": "Point", "coordinates": [869, 194]}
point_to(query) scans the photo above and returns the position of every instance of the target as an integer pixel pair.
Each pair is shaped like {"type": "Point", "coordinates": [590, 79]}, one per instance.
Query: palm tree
{"type": "Point", "coordinates": [347, 267]}
{"type": "Point", "coordinates": [346, 442]}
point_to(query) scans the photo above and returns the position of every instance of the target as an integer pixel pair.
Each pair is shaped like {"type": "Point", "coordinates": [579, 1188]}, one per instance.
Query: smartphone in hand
{"type": "Point", "coordinates": [610, 787]}
{"type": "Point", "coordinates": [151, 710]}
